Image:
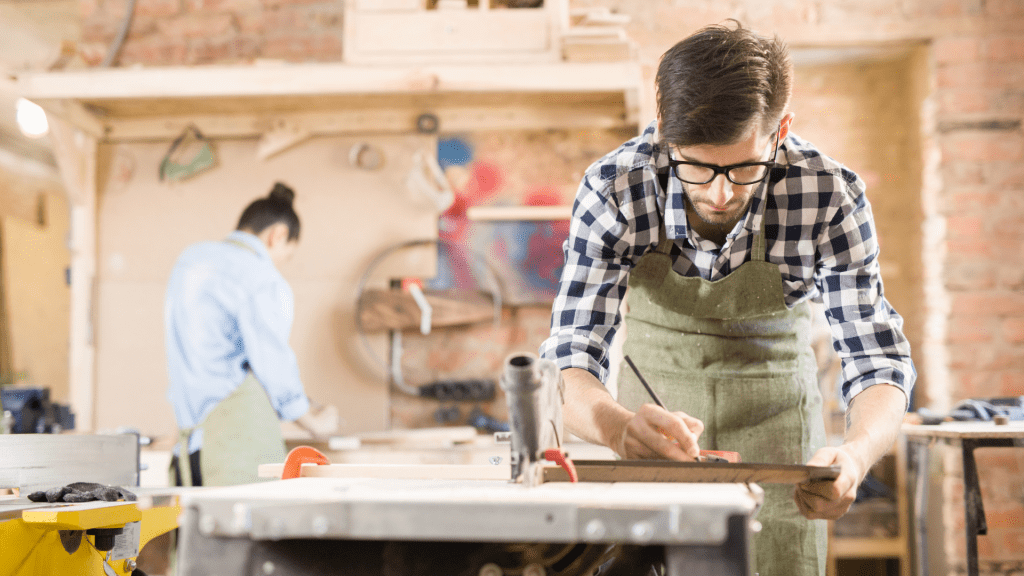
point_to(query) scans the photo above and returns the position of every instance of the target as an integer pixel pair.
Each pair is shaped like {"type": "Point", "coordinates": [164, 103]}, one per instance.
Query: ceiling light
{"type": "Point", "coordinates": [31, 119]}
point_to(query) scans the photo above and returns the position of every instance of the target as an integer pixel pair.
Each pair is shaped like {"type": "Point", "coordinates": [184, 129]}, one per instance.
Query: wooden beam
{"type": "Point", "coordinates": [76, 157]}
{"type": "Point", "coordinates": [321, 79]}
{"type": "Point", "coordinates": [384, 121]}
{"type": "Point", "coordinates": [77, 115]}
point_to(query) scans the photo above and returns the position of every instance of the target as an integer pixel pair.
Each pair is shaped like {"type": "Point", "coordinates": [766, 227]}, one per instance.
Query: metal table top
{"type": "Point", "coordinates": [471, 510]}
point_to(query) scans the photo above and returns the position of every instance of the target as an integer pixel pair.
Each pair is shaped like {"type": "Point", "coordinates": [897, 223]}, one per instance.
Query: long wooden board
{"type": "Point", "coordinates": [668, 471]}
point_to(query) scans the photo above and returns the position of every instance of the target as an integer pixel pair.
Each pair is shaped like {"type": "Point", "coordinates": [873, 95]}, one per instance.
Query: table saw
{"type": "Point", "coordinates": [419, 527]}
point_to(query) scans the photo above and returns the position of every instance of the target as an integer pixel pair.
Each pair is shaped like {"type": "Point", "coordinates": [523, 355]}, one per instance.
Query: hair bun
{"type": "Point", "coordinates": [282, 193]}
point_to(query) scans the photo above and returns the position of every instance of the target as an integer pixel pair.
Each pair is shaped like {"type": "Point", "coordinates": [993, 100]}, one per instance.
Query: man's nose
{"type": "Point", "coordinates": [720, 190]}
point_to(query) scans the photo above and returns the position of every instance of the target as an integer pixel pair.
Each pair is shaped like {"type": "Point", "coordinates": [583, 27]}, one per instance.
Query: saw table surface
{"type": "Point", "coordinates": [471, 510]}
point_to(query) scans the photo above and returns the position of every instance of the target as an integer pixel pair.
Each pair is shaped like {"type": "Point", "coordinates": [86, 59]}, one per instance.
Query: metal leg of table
{"type": "Point", "coordinates": [973, 507]}
{"type": "Point", "coordinates": [920, 452]}
{"type": "Point", "coordinates": [732, 558]}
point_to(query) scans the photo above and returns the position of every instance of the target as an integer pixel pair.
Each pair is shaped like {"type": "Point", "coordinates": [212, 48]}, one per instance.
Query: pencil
{"type": "Point", "coordinates": [650, 390]}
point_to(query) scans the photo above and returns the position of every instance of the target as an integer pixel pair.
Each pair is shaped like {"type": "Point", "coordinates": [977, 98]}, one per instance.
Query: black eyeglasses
{"type": "Point", "coordinates": [740, 174]}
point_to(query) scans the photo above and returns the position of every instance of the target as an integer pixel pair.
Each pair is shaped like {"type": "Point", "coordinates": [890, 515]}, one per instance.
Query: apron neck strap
{"type": "Point", "coordinates": [759, 250]}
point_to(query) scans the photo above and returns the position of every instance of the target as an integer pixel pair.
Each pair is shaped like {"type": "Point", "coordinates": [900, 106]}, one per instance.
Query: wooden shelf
{"type": "Point", "coordinates": [250, 100]}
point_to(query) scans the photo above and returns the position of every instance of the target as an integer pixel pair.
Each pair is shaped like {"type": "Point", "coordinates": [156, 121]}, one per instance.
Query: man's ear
{"type": "Point", "coordinates": [785, 124]}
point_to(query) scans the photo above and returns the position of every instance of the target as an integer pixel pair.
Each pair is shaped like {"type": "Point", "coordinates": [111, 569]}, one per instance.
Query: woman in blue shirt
{"type": "Point", "coordinates": [228, 315]}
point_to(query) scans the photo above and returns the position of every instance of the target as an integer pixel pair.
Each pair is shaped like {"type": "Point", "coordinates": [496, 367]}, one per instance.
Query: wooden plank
{"type": "Point", "coordinates": [430, 33]}
{"type": "Point", "coordinates": [322, 79]}
{"type": "Point", "coordinates": [518, 213]}
{"type": "Point", "coordinates": [369, 121]}
{"type": "Point", "coordinates": [391, 471]}
{"type": "Point", "coordinates": [954, 430]}
{"type": "Point", "coordinates": [37, 461]}
{"type": "Point", "coordinates": [396, 310]}
{"type": "Point", "coordinates": [666, 471]}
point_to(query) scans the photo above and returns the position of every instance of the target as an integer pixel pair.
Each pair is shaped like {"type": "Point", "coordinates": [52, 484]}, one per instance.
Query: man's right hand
{"type": "Point", "coordinates": [591, 413]}
{"type": "Point", "coordinates": [655, 433]}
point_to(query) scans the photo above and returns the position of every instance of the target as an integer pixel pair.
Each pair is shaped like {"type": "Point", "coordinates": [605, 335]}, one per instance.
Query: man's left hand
{"type": "Point", "coordinates": [830, 500]}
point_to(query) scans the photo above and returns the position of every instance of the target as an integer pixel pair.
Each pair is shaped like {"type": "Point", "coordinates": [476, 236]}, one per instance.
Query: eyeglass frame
{"type": "Point", "coordinates": [716, 170]}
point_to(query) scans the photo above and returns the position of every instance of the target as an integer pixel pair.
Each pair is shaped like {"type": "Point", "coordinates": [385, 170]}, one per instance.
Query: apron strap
{"type": "Point", "coordinates": [664, 244]}
{"type": "Point", "coordinates": [759, 251]}
{"type": "Point", "coordinates": [184, 458]}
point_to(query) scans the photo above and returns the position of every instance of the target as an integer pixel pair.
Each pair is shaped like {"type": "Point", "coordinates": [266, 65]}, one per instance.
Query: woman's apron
{"type": "Point", "coordinates": [242, 432]}
{"type": "Point", "coordinates": [731, 353]}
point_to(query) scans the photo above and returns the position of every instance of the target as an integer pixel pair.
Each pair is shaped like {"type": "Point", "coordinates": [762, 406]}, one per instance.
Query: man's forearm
{"type": "Point", "coordinates": [873, 422]}
{"type": "Point", "coordinates": [589, 411]}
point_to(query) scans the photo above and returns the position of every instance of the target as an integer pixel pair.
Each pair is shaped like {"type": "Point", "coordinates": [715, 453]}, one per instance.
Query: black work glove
{"type": "Point", "coordinates": [82, 492]}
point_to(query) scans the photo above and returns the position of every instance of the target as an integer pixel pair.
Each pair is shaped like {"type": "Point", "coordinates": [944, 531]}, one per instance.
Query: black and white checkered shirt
{"type": "Point", "coordinates": [819, 231]}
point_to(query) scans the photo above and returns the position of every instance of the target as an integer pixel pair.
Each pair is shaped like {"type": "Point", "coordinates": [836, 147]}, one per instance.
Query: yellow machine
{"type": "Point", "coordinates": [91, 538]}
{"type": "Point", "coordinates": [76, 539]}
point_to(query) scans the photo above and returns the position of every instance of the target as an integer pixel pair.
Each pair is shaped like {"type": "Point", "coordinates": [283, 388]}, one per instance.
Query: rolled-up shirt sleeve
{"type": "Point", "coordinates": [867, 333]}
{"type": "Point", "coordinates": [265, 323]}
{"type": "Point", "coordinates": [602, 246]}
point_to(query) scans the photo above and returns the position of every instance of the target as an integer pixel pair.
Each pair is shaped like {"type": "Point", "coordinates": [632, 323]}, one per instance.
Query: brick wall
{"type": "Point", "coordinates": [171, 32]}
{"type": "Point", "coordinates": [973, 154]}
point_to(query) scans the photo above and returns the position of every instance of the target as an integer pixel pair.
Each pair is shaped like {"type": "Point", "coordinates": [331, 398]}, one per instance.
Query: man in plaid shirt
{"type": "Point", "coordinates": [724, 224]}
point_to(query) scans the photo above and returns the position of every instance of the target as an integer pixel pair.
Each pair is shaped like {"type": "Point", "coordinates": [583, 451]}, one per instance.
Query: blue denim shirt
{"type": "Point", "coordinates": [227, 308]}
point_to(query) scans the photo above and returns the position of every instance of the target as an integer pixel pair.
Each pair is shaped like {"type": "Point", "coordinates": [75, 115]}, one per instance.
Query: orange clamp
{"type": "Point", "coordinates": [558, 457]}
{"type": "Point", "coordinates": [301, 455]}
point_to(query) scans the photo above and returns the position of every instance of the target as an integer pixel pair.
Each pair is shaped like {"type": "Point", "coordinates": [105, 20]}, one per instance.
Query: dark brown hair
{"type": "Point", "coordinates": [712, 86]}
{"type": "Point", "coordinates": [275, 207]}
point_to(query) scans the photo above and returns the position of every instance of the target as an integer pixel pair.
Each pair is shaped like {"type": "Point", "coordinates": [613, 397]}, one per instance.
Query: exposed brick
{"type": "Point", "coordinates": [957, 172]}
{"type": "Point", "coordinates": [1006, 360]}
{"type": "Point", "coordinates": [976, 383]}
{"type": "Point", "coordinates": [964, 101]}
{"type": "Point", "coordinates": [971, 357]}
{"type": "Point", "coordinates": [971, 275]}
{"type": "Point", "coordinates": [1013, 541]}
{"type": "Point", "coordinates": [1004, 175]}
{"type": "Point", "coordinates": [290, 2]}
{"type": "Point", "coordinates": [984, 147]}
{"type": "Point", "coordinates": [234, 6]}
{"type": "Point", "coordinates": [1013, 330]}
{"type": "Point", "coordinates": [1011, 384]}
{"type": "Point", "coordinates": [979, 74]}
{"type": "Point", "coordinates": [234, 49]}
{"type": "Point", "coordinates": [968, 201]}
{"type": "Point", "coordinates": [1009, 225]}
{"type": "Point", "coordinates": [1004, 461]}
{"type": "Point", "coordinates": [1004, 9]}
{"type": "Point", "coordinates": [156, 8]}
{"type": "Point", "coordinates": [970, 248]}
{"type": "Point", "coordinates": [1011, 277]}
{"type": "Point", "coordinates": [1005, 48]}
{"type": "Point", "coordinates": [274, 20]}
{"type": "Point", "coordinates": [971, 329]}
{"type": "Point", "coordinates": [155, 51]}
{"type": "Point", "coordinates": [304, 47]}
{"type": "Point", "coordinates": [96, 30]}
{"type": "Point", "coordinates": [197, 25]}
{"type": "Point", "coordinates": [956, 50]}
{"type": "Point", "coordinates": [88, 9]}
{"type": "Point", "coordinates": [998, 303]}
{"type": "Point", "coordinates": [964, 226]}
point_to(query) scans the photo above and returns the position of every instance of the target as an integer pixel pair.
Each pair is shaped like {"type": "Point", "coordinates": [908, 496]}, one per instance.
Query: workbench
{"type": "Point", "coordinates": [361, 526]}
{"type": "Point", "coordinates": [970, 435]}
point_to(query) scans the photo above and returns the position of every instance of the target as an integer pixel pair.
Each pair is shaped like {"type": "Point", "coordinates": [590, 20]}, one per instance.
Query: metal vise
{"type": "Point", "coordinates": [534, 391]}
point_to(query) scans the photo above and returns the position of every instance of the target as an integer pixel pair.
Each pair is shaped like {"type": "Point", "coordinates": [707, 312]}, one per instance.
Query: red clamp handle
{"type": "Point", "coordinates": [558, 457]}
{"type": "Point", "coordinates": [301, 455]}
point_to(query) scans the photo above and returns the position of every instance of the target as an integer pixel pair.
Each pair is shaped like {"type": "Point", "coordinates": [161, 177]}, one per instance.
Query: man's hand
{"type": "Point", "coordinates": [321, 421]}
{"type": "Point", "coordinates": [829, 500]}
{"type": "Point", "coordinates": [655, 433]}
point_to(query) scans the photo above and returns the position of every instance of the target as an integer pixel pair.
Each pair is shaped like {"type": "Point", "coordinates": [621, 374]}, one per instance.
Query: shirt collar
{"type": "Point", "coordinates": [251, 241]}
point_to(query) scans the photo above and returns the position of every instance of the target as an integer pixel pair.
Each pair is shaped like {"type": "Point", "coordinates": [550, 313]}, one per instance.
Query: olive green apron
{"type": "Point", "coordinates": [242, 432]}
{"type": "Point", "coordinates": [731, 353]}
